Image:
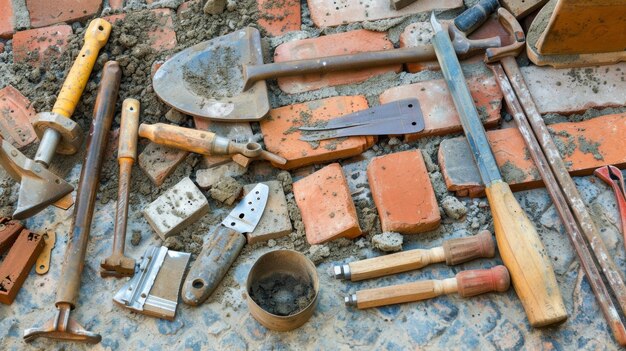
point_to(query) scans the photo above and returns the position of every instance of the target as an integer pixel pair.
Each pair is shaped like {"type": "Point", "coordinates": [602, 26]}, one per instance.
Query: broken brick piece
{"type": "Point", "coordinates": [238, 131]}
{"type": "Point", "coordinates": [584, 147]}
{"type": "Point", "coordinates": [16, 117]}
{"type": "Point", "coordinates": [326, 206]}
{"type": "Point", "coordinates": [161, 34]}
{"type": "Point", "coordinates": [41, 46]}
{"type": "Point", "coordinates": [9, 231]}
{"type": "Point", "coordinates": [281, 134]}
{"type": "Point", "coordinates": [403, 194]}
{"type": "Point", "coordinates": [520, 8]}
{"type": "Point", "coordinates": [325, 13]}
{"type": "Point", "coordinates": [351, 42]}
{"type": "Point", "coordinates": [45, 12]}
{"type": "Point", "coordinates": [275, 222]}
{"type": "Point", "coordinates": [440, 115]}
{"type": "Point", "coordinates": [175, 209]}
{"type": "Point", "coordinates": [278, 17]}
{"type": "Point", "coordinates": [17, 264]}
{"type": "Point", "coordinates": [206, 178]}
{"type": "Point", "coordinates": [7, 19]}
{"type": "Point", "coordinates": [159, 161]}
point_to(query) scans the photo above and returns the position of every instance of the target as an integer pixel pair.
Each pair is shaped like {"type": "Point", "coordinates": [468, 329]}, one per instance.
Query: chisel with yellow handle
{"type": "Point", "coordinates": [519, 245]}
{"type": "Point", "coordinates": [57, 133]}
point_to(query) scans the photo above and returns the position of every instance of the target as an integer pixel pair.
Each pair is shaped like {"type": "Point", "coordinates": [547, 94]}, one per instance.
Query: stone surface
{"type": "Point", "coordinates": [16, 114]}
{"type": "Point", "coordinates": [44, 12]}
{"type": "Point", "coordinates": [175, 116]}
{"type": "Point", "coordinates": [326, 206]}
{"type": "Point", "coordinates": [403, 194]}
{"type": "Point", "coordinates": [42, 45]}
{"type": "Point", "coordinates": [351, 42]}
{"type": "Point", "coordinates": [162, 36]}
{"type": "Point", "coordinates": [584, 146]}
{"type": "Point", "coordinates": [7, 19]}
{"type": "Point", "coordinates": [574, 90]}
{"type": "Point", "coordinates": [158, 161]}
{"type": "Point", "coordinates": [327, 13]}
{"type": "Point", "coordinates": [176, 208]}
{"type": "Point", "coordinates": [226, 190]}
{"type": "Point", "coordinates": [454, 208]}
{"type": "Point", "coordinates": [214, 7]}
{"type": "Point", "coordinates": [275, 222]}
{"type": "Point", "coordinates": [281, 134]}
{"type": "Point", "coordinates": [440, 115]}
{"type": "Point", "coordinates": [388, 241]}
{"type": "Point", "coordinates": [521, 8]}
{"type": "Point", "coordinates": [278, 17]}
{"type": "Point", "coordinates": [237, 131]}
{"type": "Point", "coordinates": [189, 8]}
{"type": "Point", "coordinates": [208, 177]}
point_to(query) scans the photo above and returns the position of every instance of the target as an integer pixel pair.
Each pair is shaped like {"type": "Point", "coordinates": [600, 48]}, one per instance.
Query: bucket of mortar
{"type": "Point", "coordinates": [282, 290]}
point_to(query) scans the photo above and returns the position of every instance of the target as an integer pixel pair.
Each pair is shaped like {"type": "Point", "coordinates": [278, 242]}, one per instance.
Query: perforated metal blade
{"type": "Point", "coordinates": [248, 212]}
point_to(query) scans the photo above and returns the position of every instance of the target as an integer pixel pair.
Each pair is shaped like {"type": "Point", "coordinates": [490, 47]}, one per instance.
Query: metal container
{"type": "Point", "coordinates": [287, 262]}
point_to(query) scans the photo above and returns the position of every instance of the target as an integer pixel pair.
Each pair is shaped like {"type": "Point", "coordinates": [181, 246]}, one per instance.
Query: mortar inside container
{"type": "Point", "coordinates": [282, 294]}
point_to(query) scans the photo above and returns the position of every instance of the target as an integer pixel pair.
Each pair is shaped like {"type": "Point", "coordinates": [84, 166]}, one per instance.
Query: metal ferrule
{"type": "Point", "coordinates": [220, 145]}
{"type": "Point", "coordinates": [342, 272]}
{"type": "Point", "coordinates": [350, 300]}
{"type": "Point", "coordinates": [47, 147]}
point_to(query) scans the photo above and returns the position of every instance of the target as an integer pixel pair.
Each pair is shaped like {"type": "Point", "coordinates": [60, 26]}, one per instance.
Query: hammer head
{"type": "Point", "coordinates": [38, 186]}
{"type": "Point", "coordinates": [512, 26]}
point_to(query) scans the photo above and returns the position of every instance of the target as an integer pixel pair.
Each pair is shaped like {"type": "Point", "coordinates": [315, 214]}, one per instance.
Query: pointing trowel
{"type": "Point", "coordinates": [223, 246]}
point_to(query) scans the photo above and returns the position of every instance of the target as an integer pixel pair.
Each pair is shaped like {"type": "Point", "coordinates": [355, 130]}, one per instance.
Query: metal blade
{"type": "Point", "coordinates": [248, 212]}
{"type": "Point", "coordinates": [408, 108]}
{"type": "Point", "coordinates": [393, 126]}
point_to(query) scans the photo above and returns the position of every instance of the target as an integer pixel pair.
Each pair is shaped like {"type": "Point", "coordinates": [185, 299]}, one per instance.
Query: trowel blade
{"type": "Point", "coordinates": [36, 194]}
{"type": "Point", "coordinates": [248, 212]}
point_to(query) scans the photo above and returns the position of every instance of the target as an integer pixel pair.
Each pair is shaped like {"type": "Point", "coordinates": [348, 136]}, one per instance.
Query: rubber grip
{"type": "Point", "coordinates": [473, 17]}
{"type": "Point", "coordinates": [129, 126]}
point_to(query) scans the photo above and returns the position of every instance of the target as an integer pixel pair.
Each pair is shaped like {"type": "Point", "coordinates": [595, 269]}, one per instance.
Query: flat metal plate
{"type": "Point", "coordinates": [206, 80]}
{"type": "Point", "coordinates": [248, 212]}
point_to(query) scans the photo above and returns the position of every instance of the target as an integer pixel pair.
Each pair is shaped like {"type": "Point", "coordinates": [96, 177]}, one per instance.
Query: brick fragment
{"type": "Point", "coordinates": [206, 178]}
{"type": "Point", "coordinates": [281, 134]}
{"type": "Point", "coordinates": [440, 115]}
{"type": "Point", "coordinates": [7, 19]}
{"type": "Point", "coordinates": [45, 12]}
{"type": "Point", "coordinates": [326, 13]}
{"type": "Point", "coordinates": [161, 35]}
{"type": "Point", "coordinates": [326, 206]}
{"type": "Point", "coordinates": [275, 222]}
{"type": "Point", "coordinates": [584, 146]}
{"type": "Point", "coordinates": [158, 161]}
{"type": "Point", "coordinates": [520, 8]}
{"type": "Point", "coordinates": [41, 46]}
{"type": "Point", "coordinates": [17, 264]}
{"type": "Point", "coordinates": [237, 131]}
{"type": "Point", "coordinates": [331, 45]}
{"type": "Point", "coordinates": [278, 17]}
{"type": "Point", "coordinates": [16, 117]}
{"type": "Point", "coordinates": [176, 208]}
{"type": "Point", "coordinates": [403, 194]}
{"type": "Point", "coordinates": [116, 4]}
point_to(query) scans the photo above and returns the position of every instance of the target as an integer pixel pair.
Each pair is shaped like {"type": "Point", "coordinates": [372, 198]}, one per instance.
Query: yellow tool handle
{"type": "Point", "coordinates": [525, 257]}
{"type": "Point", "coordinates": [394, 263]}
{"type": "Point", "coordinates": [96, 36]}
{"type": "Point", "coordinates": [129, 126]}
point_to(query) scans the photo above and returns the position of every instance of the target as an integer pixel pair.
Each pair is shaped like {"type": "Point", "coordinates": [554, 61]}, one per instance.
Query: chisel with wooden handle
{"type": "Point", "coordinates": [454, 251]}
{"type": "Point", "coordinates": [518, 242]}
{"type": "Point", "coordinates": [466, 284]}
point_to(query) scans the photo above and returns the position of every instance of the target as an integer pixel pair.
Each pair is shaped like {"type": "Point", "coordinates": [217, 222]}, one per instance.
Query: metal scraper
{"type": "Point", "coordinates": [223, 246]}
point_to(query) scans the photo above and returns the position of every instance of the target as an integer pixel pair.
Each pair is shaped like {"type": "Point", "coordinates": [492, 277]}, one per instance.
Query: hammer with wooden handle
{"type": "Point", "coordinates": [467, 283]}
{"type": "Point", "coordinates": [453, 251]}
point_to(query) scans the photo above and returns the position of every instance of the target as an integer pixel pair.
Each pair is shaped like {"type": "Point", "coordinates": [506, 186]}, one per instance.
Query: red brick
{"type": "Point", "coordinates": [331, 45]}
{"type": "Point", "coordinates": [162, 36]}
{"type": "Point", "coordinates": [17, 116]}
{"type": "Point", "coordinates": [403, 194]}
{"type": "Point", "coordinates": [281, 134]}
{"type": "Point", "coordinates": [41, 46]}
{"type": "Point", "coordinates": [116, 4]}
{"type": "Point", "coordinates": [325, 13]}
{"type": "Point", "coordinates": [326, 206]}
{"type": "Point", "coordinates": [232, 130]}
{"type": "Point", "coordinates": [158, 161]}
{"type": "Point", "coordinates": [513, 158]}
{"type": "Point", "coordinates": [278, 17]}
{"type": "Point", "coordinates": [440, 115]}
{"type": "Point", "coordinates": [45, 12]}
{"type": "Point", "coordinates": [7, 19]}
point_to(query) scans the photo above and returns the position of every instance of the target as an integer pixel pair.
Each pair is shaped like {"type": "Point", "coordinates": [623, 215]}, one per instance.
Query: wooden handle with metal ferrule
{"type": "Point", "coordinates": [467, 283]}
{"type": "Point", "coordinates": [96, 36]}
{"type": "Point", "coordinates": [128, 130]}
{"type": "Point", "coordinates": [525, 257]}
{"type": "Point", "coordinates": [192, 140]}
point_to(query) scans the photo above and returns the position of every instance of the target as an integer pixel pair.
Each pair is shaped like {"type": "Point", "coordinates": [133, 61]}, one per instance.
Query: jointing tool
{"type": "Point", "coordinates": [203, 142]}
{"type": "Point", "coordinates": [57, 133]}
{"type": "Point", "coordinates": [62, 326]}
{"type": "Point", "coordinates": [223, 246]}
{"type": "Point", "coordinates": [614, 178]}
{"type": "Point", "coordinates": [466, 284]}
{"type": "Point", "coordinates": [453, 252]}
{"type": "Point", "coordinates": [518, 242]}
{"type": "Point", "coordinates": [398, 117]}
{"type": "Point", "coordinates": [118, 264]}
{"type": "Point", "coordinates": [42, 266]}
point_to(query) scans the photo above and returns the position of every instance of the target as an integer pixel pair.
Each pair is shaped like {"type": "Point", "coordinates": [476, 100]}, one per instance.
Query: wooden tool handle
{"type": "Point", "coordinates": [394, 263]}
{"type": "Point", "coordinates": [96, 36]}
{"type": "Point", "coordinates": [480, 281]}
{"type": "Point", "coordinates": [192, 140]}
{"type": "Point", "coordinates": [128, 130]}
{"type": "Point", "coordinates": [466, 249]}
{"type": "Point", "coordinates": [525, 257]}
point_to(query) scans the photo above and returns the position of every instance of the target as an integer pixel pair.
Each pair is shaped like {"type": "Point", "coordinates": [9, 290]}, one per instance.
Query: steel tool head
{"type": "Point", "coordinates": [433, 22]}
{"type": "Point", "coordinates": [518, 39]}
{"type": "Point", "coordinates": [62, 327]}
{"type": "Point", "coordinates": [207, 80]}
{"type": "Point", "coordinates": [248, 212]}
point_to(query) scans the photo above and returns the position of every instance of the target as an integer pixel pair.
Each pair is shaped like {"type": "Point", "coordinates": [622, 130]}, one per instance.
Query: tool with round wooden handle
{"type": "Point", "coordinates": [452, 252]}
{"type": "Point", "coordinates": [203, 142]}
{"type": "Point", "coordinates": [467, 283]}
